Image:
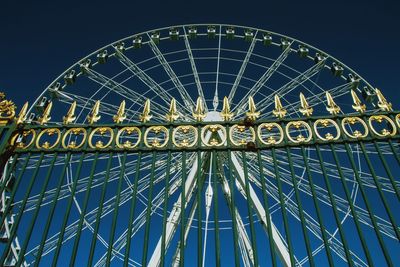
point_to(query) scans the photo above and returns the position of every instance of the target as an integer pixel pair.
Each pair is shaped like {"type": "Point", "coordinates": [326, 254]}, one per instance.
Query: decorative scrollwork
{"type": "Point", "coordinates": [270, 139]}
{"type": "Point", "coordinates": [325, 123]}
{"type": "Point", "coordinates": [381, 119]}
{"type": "Point", "coordinates": [47, 144]}
{"type": "Point", "coordinates": [129, 131]}
{"type": "Point", "coordinates": [74, 132]}
{"type": "Point", "coordinates": [20, 144]}
{"type": "Point", "coordinates": [356, 134]}
{"type": "Point", "coordinates": [7, 110]}
{"type": "Point", "coordinates": [239, 136]}
{"type": "Point", "coordinates": [213, 130]}
{"type": "Point", "coordinates": [398, 120]}
{"type": "Point", "coordinates": [101, 131]}
{"type": "Point", "coordinates": [298, 125]}
{"type": "Point", "coordinates": [189, 136]}
{"type": "Point", "coordinates": [155, 140]}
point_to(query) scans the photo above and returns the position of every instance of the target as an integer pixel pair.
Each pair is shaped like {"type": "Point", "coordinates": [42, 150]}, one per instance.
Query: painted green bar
{"type": "Point", "coordinates": [334, 207]}
{"type": "Point", "coordinates": [183, 209]}
{"type": "Point", "coordinates": [387, 169]}
{"type": "Point", "coordinates": [132, 210]}
{"type": "Point", "coordinates": [199, 213]}
{"type": "Point", "coordinates": [68, 210]}
{"type": "Point", "coordinates": [99, 211]}
{"type": "Point", "coordinates": [233, 210]}
{"type": "Point", "coordinates": [22, 207]}
{"type": "Point", "coordinates": [368, 206]}
{"type": "Point", "coordinates": [379, 188]}
{"type": "Point", "coordinates": [148, 212]}
{"type": "Point", "coordinates": [395, 153]}
{"type": "Point", "coordinates": [250, 209]}
{"type": "Point", "coordinates": [116, 208]}
{"type": "Point", "coordinates": [165, 214]}
{"type": "Point", "coordinates": [83, 210]}
{"type": "Point", "coordinates": [215, 201]}
{"type": "Point", "coordinates": [351, 205]}
{"type": "Point", "coordinates": [15, 187]}
{"type": "Point", "coordinates": [52, 209]}
{"type": "Point", "coordinates": [317, 208]}
{"type": "Point", "coordinates": [283, 208]}
{"type": "Point", "coordinates": [300, 208]}
{"type": "Point", "coordinates": [266, 208]}
{"type": "Point", "coordinates": [37, 208]}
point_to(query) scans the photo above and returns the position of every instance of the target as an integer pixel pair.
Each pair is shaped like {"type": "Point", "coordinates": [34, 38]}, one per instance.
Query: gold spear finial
{"type": "Point", "coordinates": [279, 110]}
{"type": "Point", "coordinates": [146, 116]}
{"type": "Point", "coordinates": [252, 114]}
{"type": "Point", "coordinates": [382, 102]}
{"type": "Point", "coordinates": [172, 114]}
{"type": "Point", "coordinates": [94, 116]}
{"type": "Point", "coordinates": [120, 116]}
{"type": "Point", "coordinates": [332, 107]}
{"type": "Point", "coordinates": [226, 110]}
{"type": "Point", "coordinates": [198, 113]}
{"type": "Point", "coordinates": [22, 114]}
{"type": "Point", "coordinates": [70, 117]}
{"type": "Point", "coordinates": [358, 105]}
{"type": "Point", "coordinates": [46, 114]}
{"type": "Point", "coordinates": [305, 109]}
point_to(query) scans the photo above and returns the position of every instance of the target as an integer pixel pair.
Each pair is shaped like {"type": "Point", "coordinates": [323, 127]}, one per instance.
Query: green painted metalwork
{"type": "Point", "coordinates": [269, 160]}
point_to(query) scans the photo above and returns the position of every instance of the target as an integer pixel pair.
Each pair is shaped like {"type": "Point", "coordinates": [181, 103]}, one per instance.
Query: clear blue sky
{"type": "Point", "coordinates": [40, 39]}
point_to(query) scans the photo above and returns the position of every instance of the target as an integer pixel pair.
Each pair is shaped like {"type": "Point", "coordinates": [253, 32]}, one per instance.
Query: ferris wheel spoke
{"type": "Point", "coordinates": [125, 92]}
{"type": "Point", "coordinates": [200, 91]}
{"type": "Point", "coordinates": [243, 67]}
{"type": "Point", "coordinates": [342, 204]}
{"type": "Point", "coordinates": [318, 98]}
{"type": "Point", "coordinates": [140, 220]}
{"type": "Point", "coordinates": [188, 101]}
{"type": "Point", "coordinates": [240, 107]}
{"type": "Point", "coordinates": [244, 240]}
{"type": "Point", "coordinates": [292, 84]}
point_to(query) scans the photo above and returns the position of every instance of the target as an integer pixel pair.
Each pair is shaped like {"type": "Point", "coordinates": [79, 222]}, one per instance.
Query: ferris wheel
{"type": "Point", "coordinates": [292, 206]}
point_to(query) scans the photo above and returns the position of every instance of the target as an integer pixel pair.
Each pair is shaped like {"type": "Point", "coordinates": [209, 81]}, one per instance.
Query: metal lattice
{"type": "Point", "coordinates": [202, 145]}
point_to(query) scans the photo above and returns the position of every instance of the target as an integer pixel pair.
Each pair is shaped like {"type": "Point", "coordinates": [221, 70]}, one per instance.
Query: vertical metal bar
{"type": "Point", "coordinates": [36, 212]}
{"type": "Point", "coordinates": [116, 208]}
{"type": "Point", "coordinates": [283, 206]}
{"type": "Point", "coordinates": [68, 210]}
{"type": "Point", "coordinates": [52, 209]}
{"type": "Point", "coordinates": [199, 213]}
{"type": "Point", "coordinates": [387, 169]}
{"type": "Point", "coordinates": [99, 210]}
{"type": "Point", "coordinates": [300, 207]}
{"type": "Point", "coordinates": [395, 153]}
{"type": "Point", "coordinates": [132, 209]}
{"type": "Point", "coordinates": [266, 208]}
{"type": "Point", "coordinates": [83, 210]}
{"type": "Point", "coordinates": [334, 207]}
{"type": "Point", "coordinates": [379, 188]}
{"type": "Point", "coordinates": [148, 211]}
{"type": "Point", "coordinates": [215, 200]}
{"type": "Point", "coordinates": [183, 208]}
{"type": "Point", "coordinates": [165, 214]}
{"type": "Point", "coordinates": [368, 206]}
{"type": "Point", "coordinates": [352, 209]}
{"type": "Point", "coordinates": [233, 210]}
{"type": "Point", "coordinates": [7, 173]}
{"type": "Point", "coordinates": [22, 207]}
{"type": "Point", "coordinates": [315, 200]}
{"type": "Point", "coordinates": [15, 187]}
{"type": "Point", "coordinates": [250, 208]}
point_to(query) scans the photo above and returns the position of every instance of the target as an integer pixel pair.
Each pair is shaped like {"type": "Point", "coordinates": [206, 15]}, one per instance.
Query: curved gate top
{"type": "Point", "coordinates": [148, 176]}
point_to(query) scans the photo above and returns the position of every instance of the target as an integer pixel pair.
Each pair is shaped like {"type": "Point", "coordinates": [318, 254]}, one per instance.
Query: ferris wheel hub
{"type": "Point", "coordinates": [213, 116]}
